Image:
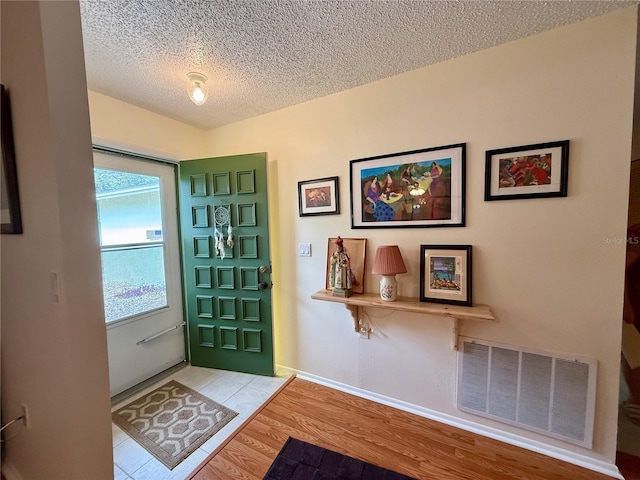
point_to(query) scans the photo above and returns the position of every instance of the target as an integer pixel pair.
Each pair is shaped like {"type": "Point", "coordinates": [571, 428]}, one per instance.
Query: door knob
{"type": "Point", "coordinates": [263, 269]}
{"type": "Point", "coordinates": [263, 286]}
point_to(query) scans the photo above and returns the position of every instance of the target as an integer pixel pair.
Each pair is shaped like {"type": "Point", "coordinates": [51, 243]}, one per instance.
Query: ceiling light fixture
{"type": "Point", "coordinates": [197, 89]}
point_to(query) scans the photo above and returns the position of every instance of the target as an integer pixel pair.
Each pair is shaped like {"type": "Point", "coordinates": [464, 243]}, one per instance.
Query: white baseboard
{"type": "Point", "coordinates": [9, 472]}
{"type": "Point", "coordinates": [600, 466]}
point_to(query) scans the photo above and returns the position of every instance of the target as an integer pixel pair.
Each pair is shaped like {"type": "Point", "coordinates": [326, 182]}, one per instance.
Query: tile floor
{"type": "Point", "coordinates": [241, 392]}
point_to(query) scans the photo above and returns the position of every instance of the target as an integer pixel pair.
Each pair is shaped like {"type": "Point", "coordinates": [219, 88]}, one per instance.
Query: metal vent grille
{"type": "Point", "coordinates": [546, 393]}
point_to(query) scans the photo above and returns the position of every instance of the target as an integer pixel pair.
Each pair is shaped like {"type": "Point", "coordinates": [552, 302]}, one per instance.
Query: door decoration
{"type": "Point", "coordinates": [222, 217]}
{"type": "Point", "coordinates": [229, 236]}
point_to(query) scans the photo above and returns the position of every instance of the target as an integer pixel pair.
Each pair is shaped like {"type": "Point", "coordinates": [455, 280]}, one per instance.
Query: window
{"type": "Point", "coordinates": [131, 242]}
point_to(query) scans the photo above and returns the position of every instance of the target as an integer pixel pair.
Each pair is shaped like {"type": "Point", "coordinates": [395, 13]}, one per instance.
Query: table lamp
{"type": "Point", "coordinates": [388, 263]}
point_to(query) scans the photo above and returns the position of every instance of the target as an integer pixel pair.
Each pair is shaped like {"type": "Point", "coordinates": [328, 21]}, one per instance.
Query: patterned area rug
{"type": "Point", "coordinates": [300, 460]}
{"type": "Point", "coordinates": [172, 421]}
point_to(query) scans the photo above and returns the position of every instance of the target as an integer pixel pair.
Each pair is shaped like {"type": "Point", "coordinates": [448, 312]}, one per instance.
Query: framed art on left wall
{"type": "Point", "coordinates": [11, 219]}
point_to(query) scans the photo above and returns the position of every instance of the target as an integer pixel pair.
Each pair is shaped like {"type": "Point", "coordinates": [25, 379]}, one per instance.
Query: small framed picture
{"type": "Point", "coordinates": [319, 197]}
{"type": "Point", "coordinates": [356, 249]}
{"type": "Point", "coordinates": [421, 188]}
{"type": "Point", "coordinates": [529, 171]}
{"type": "Point", "coordinates": [445, 274]}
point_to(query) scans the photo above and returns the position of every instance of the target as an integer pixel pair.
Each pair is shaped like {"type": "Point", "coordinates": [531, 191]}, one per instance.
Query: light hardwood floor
{"type": "Point", "coordinates": [378, 434]}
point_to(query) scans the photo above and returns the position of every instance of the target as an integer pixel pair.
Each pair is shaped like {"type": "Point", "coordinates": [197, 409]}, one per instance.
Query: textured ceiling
{"type": "Point", "coordinates": [263, 55]}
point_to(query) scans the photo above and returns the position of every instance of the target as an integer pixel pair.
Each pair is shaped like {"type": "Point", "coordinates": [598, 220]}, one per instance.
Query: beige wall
{"type": "Point", "coordinates": [551, 269]}
{"type": "Point", "coordinates": [54, 356]}
{"type": "Point", "coordinates": [120, 125]}
{"type": "Point", "coordinates": [543, 265]}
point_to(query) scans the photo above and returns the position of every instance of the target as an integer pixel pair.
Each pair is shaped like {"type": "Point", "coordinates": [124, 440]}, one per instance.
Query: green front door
{"type": "Point", "coordinates": [225, 234]}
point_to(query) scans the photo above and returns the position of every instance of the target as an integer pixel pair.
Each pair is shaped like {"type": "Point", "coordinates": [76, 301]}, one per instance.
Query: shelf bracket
{"type": "Point", "coordinates": [354, 310]}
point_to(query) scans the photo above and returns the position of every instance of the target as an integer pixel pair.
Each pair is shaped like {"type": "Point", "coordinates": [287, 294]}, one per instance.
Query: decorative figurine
{"type": "Point", "coordinates": [340, 274]}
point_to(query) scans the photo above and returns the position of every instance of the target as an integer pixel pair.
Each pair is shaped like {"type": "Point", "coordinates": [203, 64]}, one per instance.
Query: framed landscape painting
{"type": "Point", "coordinates": [445, 274]}
{"type": "Point", "coordinates": [421, 188]}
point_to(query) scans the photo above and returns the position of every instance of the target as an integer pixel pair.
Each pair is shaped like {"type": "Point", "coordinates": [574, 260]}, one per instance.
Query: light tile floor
{"type": "Point", "coordinates": [241, 392]}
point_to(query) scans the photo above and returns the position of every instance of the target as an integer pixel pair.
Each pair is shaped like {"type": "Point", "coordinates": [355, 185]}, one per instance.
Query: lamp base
{"type": "Point", "coordinates": [388, 288]}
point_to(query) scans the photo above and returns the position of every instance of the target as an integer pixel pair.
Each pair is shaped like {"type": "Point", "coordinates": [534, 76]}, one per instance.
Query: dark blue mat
{"type": "Point", "coordinates": [300, 460]}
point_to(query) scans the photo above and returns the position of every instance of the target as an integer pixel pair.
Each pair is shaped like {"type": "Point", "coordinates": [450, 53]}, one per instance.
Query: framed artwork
{"type": "Point", "coordinates": [421, 188]}
{"type": "Point", "coordinates": [529, 171]}
{"type": "Point", "coordinates": [10, 217]}
{"type": "Point", "coordinates": [445, 274]}
{"type": "Point", "coordinates": [356, 250]}
{"type": "Point", "coordinates": [318, 197]}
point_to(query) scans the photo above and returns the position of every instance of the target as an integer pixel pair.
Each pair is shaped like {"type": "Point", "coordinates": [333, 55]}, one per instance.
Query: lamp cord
{"type": "Point", "coordinates": [12, 422]}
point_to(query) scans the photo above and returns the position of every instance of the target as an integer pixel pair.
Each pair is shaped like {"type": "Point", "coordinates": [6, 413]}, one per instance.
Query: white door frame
{"type": "Point", "coordinates": [131, 359]}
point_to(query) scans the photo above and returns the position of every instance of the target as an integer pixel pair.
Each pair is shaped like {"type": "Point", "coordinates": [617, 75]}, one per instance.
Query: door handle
{"type": "Point", "coordinates": [263, 285]}
{"type": "Point", "coordinates": [159, 334]}
{"type": "Point", "coordinates": [263, 269]}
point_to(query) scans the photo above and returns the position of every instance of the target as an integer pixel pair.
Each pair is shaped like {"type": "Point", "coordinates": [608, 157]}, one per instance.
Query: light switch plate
{"type": "Point", "coordinates": [304, 249]}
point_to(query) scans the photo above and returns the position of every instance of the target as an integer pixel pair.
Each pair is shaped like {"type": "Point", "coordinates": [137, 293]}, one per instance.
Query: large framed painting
{"type": "Point", "coordinates": [528, 171]}
{"type": "Point", "coordinates": [421, 188]}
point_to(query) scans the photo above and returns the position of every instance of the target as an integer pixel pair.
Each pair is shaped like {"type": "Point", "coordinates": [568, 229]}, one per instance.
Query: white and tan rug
{"type": "Point", "coordinates": [172, 421]}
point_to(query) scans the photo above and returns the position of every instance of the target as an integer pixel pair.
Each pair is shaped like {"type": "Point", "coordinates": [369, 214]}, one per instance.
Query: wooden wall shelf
{"type": "Point", "coordinates": [406, 304]}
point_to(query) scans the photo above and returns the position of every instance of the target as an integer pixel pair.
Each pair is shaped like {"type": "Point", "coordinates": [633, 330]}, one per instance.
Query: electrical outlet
{"type": "Point", "coordinates": [26, 420]}
{"type": "Point", "coordinates": [365, 330]}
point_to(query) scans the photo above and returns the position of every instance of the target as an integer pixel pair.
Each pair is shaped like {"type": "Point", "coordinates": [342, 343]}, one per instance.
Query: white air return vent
{"type": "Point", "coordinates": [539, 391]}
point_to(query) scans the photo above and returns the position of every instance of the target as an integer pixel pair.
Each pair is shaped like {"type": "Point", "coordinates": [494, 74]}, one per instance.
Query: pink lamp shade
{"type": "Point", "coordinates": [388, 261]}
